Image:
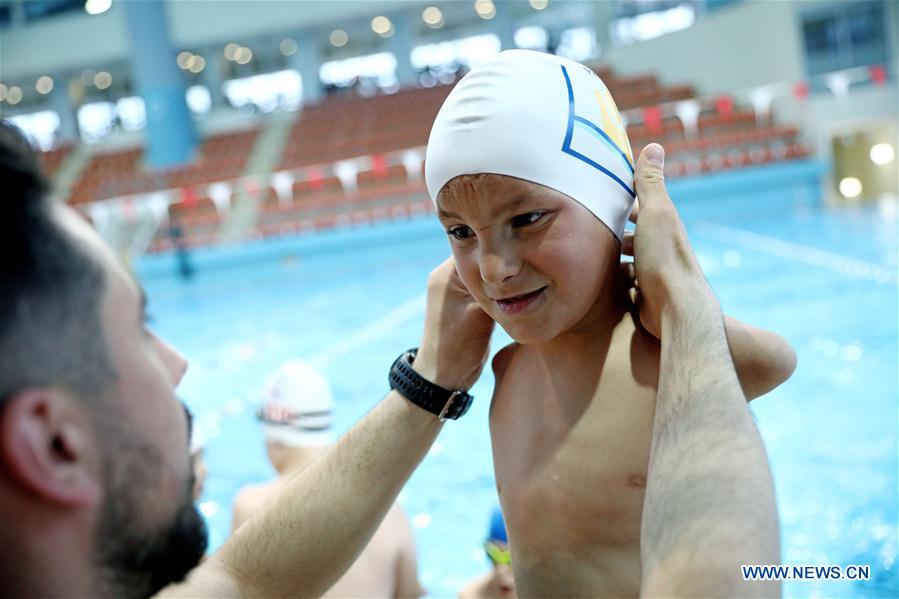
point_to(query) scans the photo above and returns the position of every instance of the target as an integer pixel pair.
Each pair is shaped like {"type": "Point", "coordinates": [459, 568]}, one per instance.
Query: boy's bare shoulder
{"type": "Point", "coordinates": [502, 359]}
{"type": "Point", "coordinates": [502, 362]}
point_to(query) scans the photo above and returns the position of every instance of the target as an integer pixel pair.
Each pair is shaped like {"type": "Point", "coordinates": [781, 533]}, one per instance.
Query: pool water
{"type": "Point", "coordinates": [352, 300]}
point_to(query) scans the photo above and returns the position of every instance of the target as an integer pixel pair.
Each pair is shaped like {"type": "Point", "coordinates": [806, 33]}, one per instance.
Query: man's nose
{"type": "Point", "coordinates": [174, 362]}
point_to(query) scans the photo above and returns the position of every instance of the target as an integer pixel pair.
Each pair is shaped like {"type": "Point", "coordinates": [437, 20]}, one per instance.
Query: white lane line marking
{"type": "Point", "coordinates": [797, 252]}
{"type": "Point", "coordinates": [370, 333]}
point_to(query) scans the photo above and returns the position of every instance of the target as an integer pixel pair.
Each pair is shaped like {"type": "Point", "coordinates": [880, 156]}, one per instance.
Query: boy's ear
{"type": "Point", "coordinates": [48, 448]}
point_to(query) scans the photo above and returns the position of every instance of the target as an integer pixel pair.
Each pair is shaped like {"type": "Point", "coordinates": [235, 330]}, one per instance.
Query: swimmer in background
{"type": "Point", "coordinates": [296, 418]}
{"type": "Point", "coordinates": [534, 208]}
{"type": "Point", "coordinates": [498, 583]}
{"type": "Point", "coordinates": [182, 251]}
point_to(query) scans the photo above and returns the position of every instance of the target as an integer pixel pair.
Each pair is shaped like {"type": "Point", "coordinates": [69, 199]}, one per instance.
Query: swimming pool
{"type": "Point", "coordinates": [351, 300]}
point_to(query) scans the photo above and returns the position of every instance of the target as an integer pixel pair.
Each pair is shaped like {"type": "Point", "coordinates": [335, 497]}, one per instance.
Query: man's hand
{"type": "Point", "coordinates": [456, 340]}
{"type": "Point", "coordinates": [709, 502]}
{"type": "Point", "coordinates": [667, 273]}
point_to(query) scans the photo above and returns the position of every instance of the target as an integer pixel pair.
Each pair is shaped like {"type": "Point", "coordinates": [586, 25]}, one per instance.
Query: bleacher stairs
{"type": "Point", "coordinates": [264, 157]}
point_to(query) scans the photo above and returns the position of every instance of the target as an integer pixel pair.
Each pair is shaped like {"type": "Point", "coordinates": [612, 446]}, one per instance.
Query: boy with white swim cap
{"type": "Point", "coordinates": [532, 174]}
{"type": "Point", "coordinates": [296, 416]}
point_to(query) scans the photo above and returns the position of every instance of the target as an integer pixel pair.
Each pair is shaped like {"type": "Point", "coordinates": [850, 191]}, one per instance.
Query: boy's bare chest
{"type": "Point", "coordinates": [571, 457]}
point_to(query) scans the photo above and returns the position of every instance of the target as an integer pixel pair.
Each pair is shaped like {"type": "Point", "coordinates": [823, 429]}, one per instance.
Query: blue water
{"type": "Point", "coordinates": [824, 278]}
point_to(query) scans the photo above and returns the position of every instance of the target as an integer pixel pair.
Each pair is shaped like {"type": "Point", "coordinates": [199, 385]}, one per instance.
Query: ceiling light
{"type": "Point", "coordinates": [198, 63]}
{"type": "Point", "coordinates": [14, 95]}
{"type": "Point", "coordinates": [184, 59]}
{"type": "Point", "coordinates": [433, 17]}
{"type": "Point", "coordinates": [850, 187]}
{"type": "Point", "coordinates": [339, 38]}
{"type": "Point", "coordinates": [882, 154]}
{"type": "Point", "coordinates": [382, 26]}
{"type": "Point", "coordinates": [44, 85]}
{"type": "Point", "coordinates": [485, 9]}
{"type": "Point", "coordinates": [231, 51]}
{"type": "Point", "coordinates": [243, 55]}
{"type": "Point", "coordinates": [103, 80]}
{"type": "Point", "coordinates": [538, 4]}
{"type": "Point", "coordinates": [97, 7]}
{"type": "Point", "coordinates": [288, 47]}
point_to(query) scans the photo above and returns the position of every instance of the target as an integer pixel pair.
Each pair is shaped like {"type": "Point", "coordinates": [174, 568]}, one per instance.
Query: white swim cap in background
{"type": "Point", "coordinates": [541, 118]}
{"type": "Point", "coordinates": [296, 406]}
{"type": "Point", "coordinates": [197, 441]}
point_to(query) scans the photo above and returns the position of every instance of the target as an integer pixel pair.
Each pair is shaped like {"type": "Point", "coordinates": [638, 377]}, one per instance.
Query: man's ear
{"type": "Point", "coordinates": [48, 447]}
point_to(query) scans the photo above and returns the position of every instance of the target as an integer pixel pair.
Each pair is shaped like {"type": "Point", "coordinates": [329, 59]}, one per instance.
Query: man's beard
{"type": "Point", "coordinates": [136, 559]}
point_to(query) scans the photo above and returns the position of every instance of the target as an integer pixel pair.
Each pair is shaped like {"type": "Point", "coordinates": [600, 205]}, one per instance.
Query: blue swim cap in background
{"type": "Point", "coordinates": [497, 527]}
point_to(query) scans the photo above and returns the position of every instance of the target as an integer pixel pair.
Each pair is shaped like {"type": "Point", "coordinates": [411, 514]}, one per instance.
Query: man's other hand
{"type": "Point", "coordinates": [668, 276]}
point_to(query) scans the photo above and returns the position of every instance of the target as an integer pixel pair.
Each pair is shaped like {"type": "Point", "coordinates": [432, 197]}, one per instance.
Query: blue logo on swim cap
{"type": "Point", "coordinates": [596, 131]}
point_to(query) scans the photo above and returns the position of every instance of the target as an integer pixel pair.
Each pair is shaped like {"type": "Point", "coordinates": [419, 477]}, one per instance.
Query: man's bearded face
{"type": "Point", "coordinates": [137, 558]}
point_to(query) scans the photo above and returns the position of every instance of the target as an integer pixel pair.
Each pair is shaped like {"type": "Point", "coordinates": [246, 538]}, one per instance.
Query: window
{"type": "Point", "coordinates": [532, 38]}
{"type": "Point", "coordinates": [843, 36]}
{"type": "Point", "coordinates": [199, 99]}
{"type": "Point", "coordinates": [132, 113]}
{"type": "Point", "coordinates": [467, 51]}
{"type": "Point", "coordinates": [281, 89]}
{"type": "Point", "coordinates": [648, 25]}
{"type": "Point", "coordinates": [577, 44]}
{"type": "Point", "coordinates": [41, 127]}
{"type": "Point", "coordinates": [96, 120]}
{"type": "Point", "coordinates": [380, 67]}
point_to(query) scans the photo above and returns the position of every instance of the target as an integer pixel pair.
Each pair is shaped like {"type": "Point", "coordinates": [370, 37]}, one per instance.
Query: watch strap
{"type": "Point", "coordinates": [446, 404]}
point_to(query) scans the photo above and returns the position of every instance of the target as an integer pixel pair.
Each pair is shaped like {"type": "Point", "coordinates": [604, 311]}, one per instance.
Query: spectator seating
{"type": "Point", "coordinates": [51, 160]}
{"type": "Point", "coordinates": [120, 173]}
{"type": "Point", "coordinates": [344, 127]}
{"type": "Point", "coordinates": [348, 127]}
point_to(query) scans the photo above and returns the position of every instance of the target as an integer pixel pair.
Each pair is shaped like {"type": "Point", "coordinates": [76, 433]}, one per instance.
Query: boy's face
{"type": "Point", "coordinates": [533, 258]}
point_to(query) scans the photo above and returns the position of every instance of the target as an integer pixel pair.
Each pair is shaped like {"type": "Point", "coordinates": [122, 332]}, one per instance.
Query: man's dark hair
{"type": "Point", "coordinates": [51, 335]}
{"type": "Point", "coordinates": [50, 288]}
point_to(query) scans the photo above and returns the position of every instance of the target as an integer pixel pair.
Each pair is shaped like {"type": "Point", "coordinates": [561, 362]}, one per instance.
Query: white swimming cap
{"type": "Point", "coordinates": [296, 406]}
{"type": "Point", "coordinates": [197, 440]}
{"type": "Point", "coordinates": [541, 118]}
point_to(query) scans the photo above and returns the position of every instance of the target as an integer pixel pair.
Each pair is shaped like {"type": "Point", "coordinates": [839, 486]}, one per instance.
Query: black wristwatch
{"type": "Point", "coordinates": [444, 403]}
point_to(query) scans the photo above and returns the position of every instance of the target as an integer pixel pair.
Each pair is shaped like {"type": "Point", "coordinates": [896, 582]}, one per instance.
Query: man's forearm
{"type": "Point", "coordinates": [709, 503]}
{"type": "Point", "coordinates": [331, 508]}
